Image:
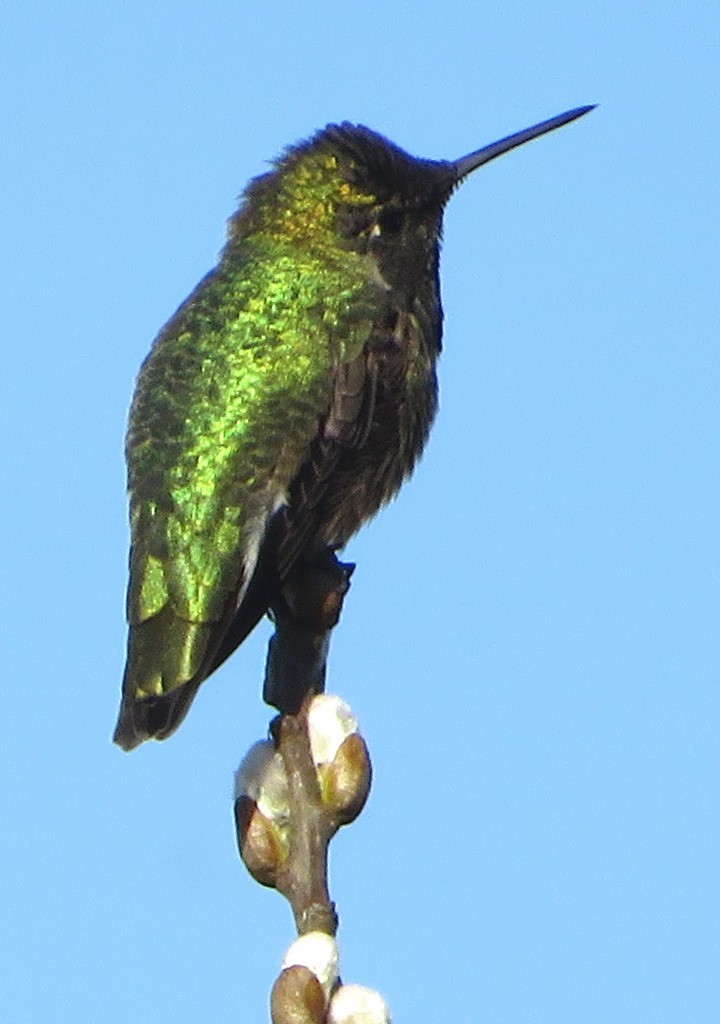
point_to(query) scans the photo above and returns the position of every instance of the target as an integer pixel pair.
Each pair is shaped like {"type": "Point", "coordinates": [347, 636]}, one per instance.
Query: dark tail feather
{"type": "Point", "coordinates": [158, 717]}
{"type": "Point", "coordinates": [153, 717]}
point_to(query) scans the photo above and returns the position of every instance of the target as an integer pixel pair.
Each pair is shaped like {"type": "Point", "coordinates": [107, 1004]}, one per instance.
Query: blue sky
{"type": "Point", "coordinates": [531, 641]}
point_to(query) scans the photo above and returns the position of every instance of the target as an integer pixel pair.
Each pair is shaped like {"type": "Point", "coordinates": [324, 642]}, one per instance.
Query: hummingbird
{"type": "Point", "coordinates": [285, 401]}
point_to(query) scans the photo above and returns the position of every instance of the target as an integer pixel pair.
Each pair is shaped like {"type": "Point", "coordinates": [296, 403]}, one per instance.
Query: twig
{"type": "Point", "coordinates": [302, 879]}
{"type": "Point", "coordinates": [297, 659]}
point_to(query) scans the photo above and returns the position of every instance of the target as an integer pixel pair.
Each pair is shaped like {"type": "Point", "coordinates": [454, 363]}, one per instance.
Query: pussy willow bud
{"type": "Point", "coordinates": [345, 781]}
{"type": "Point", "coordinates": [330, 722]}
{"type": "Point", "coordinates": [341, 756]}
{"type": "Point", "coordinates": [262, 844]}
{"type": "Point", "coordinates": [297, 998]}
{"type": "Point", "coordinates": [355, 1004]}
{"type": "Point", "coordinates": [317, 951]}
{"type": "Point", "coordinates": [262, 777]}
{"type": "Point", "coordinates": [262, 812]}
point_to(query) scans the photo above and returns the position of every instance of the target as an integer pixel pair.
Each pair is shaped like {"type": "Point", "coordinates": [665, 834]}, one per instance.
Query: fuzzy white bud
{"type": "Point", "coordinates": [262, 777]}
{"type": "Point", "coordinates": [317, 951]}
{"type": "Point", "coordinates": [330, 722]}
{"type": "Point", "coordinates": [355, 1004]}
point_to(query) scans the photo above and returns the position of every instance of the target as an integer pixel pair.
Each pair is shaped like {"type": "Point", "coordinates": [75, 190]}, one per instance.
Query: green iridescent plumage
{"type": "Point", "coordinates": [225, 409]}
{"type": "Point", "coordinates": [297, 381]}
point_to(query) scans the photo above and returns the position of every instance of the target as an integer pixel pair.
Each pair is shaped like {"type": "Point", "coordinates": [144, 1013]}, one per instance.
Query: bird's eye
{"type": "Point", "coordinates": [390, 222]}
{"type": "Point", "coordinates": [352, 222]}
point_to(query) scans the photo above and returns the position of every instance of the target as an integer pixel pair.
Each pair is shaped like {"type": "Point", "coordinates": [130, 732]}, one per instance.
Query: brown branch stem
{"type": "Point", "coordinates": [306, 613]}
{"type": "Point", "coordinates": [303, 877]}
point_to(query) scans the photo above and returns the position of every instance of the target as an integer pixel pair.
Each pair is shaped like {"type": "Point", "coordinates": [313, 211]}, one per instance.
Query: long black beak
{"type": "Point", "coordinates": [466, 164]}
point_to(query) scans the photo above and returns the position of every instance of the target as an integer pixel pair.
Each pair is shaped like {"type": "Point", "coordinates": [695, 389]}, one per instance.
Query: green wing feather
{"type": "Point", "coordinates": [225, 410]}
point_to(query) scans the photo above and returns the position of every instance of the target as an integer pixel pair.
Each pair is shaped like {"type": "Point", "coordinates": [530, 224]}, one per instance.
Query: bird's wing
{"type": "Point", "coordinates": [222, 420]}
{"type": "Point", "coordinates": [296, 523]}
